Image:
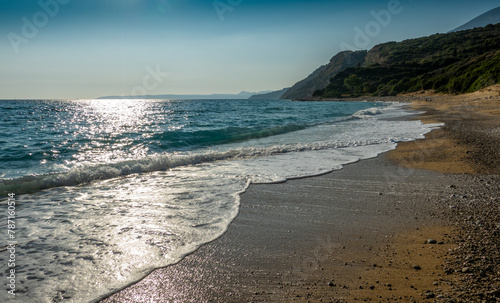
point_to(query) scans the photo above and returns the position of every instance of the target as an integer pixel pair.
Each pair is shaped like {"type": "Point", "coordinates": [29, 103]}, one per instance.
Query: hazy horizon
{"type": "Point", "coordinates": [65, 49]}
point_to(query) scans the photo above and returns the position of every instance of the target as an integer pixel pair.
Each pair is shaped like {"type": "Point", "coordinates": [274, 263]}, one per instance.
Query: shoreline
{"type": "Point", "coordinates": [289, 243]}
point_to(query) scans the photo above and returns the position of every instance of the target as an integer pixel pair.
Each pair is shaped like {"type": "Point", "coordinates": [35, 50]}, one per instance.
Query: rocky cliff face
{"type": "Point", "coordinates": [320, 78]}
{"type": "Point", "coordinates": [376, 55]}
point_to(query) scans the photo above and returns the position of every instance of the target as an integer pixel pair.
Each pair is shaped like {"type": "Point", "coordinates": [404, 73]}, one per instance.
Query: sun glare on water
{"type": "Point", "coordinates": [123, 112]}
{"type": "Point", "coordinates": [112, 127]}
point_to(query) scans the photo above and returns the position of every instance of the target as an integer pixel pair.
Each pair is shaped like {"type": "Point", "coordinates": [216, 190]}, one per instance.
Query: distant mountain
{"type": "Point", "coordinates": [490, 17]}
{"type": "Point", "coordinates": [320, 78]}
{"type": "Point", "coordinates": [272, 95]}
{"type": "Point", "coordinates": [458, 62]}
{"type": "Point", "coordinates": [241, 95]}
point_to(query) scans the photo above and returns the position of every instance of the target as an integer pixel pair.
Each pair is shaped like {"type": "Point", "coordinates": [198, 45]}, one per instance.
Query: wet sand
{"type": "Point", "coordinates": [304, 239]}
{"type": "Point", "coordinates": [361, 233]}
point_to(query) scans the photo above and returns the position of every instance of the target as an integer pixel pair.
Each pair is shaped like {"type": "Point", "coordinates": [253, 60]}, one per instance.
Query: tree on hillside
{"type": "Point", "coordinates": [354, 84]}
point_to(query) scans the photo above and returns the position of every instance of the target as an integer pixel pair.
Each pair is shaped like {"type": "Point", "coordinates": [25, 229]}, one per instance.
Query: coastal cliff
{"type": "Point", "coordinates": [320, 78]}
{"type": "Point", "coordinates": [458, 62]}
{"type": "Point", "coordinates": [464, 60]}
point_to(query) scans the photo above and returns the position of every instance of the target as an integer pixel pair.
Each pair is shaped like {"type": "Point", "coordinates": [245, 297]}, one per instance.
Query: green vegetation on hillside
{"type": "Point", "coordinates": [458, 62]}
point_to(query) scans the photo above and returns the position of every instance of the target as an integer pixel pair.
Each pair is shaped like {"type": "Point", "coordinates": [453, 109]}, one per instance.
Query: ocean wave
{"type": "Point", "coordinates": [367, 113]}
{"type": "Point", "coordinates": [162, 162]}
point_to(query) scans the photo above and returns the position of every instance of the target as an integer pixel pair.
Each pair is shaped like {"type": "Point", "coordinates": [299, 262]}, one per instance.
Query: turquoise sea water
{"type": "Point", "coordinates": [108, 190]}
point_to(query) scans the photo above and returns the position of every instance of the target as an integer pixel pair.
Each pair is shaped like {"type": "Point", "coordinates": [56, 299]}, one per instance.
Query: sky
{"type": "Point", "coordinates": [83, 49]}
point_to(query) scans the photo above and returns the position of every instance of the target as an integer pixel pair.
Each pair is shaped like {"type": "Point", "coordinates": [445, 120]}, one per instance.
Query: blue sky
{"type": "Point", "coordinates": [69, 49]}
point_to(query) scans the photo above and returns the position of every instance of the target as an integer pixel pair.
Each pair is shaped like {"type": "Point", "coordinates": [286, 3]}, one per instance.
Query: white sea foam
{"type": "Point", "coordinates": [367, 113]}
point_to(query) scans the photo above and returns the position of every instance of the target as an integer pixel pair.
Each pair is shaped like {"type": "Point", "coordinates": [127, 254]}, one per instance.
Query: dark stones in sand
{"type": "Point", "coordinates": [331, 284]}
{"type": "Point", "coordinates": [495, 293]}
{"type": "Point", "coordinates": [477, 257]}
{"type": "Point", "coordinates": [417, 267]}
{"type": "Point", "coordinates": [431, 241]}
{"type": "Point", "coordinates": [430, 295]}
{"type": "Point", "coordinates": [372, 287]}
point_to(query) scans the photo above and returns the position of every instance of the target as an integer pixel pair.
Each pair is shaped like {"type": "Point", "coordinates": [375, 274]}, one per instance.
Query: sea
{"type": "Point", "coordinates": [102, 192]}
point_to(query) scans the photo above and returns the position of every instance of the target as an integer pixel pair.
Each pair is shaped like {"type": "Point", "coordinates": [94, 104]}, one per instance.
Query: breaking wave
{"type": "Point", "coordinates": [83, 175]}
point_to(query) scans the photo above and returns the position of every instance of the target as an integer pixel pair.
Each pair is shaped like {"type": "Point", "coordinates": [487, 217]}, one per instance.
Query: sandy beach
{"type": "Point", "coordinates": [418, 224]}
